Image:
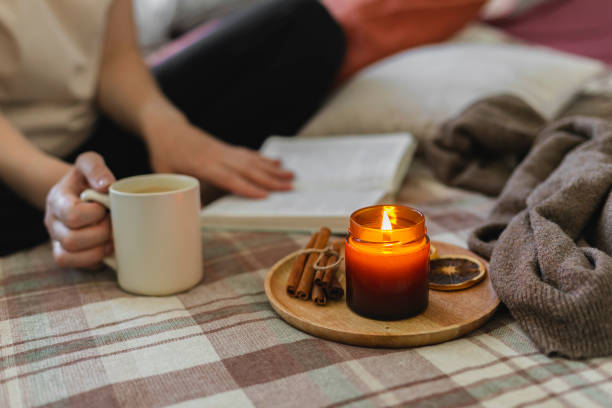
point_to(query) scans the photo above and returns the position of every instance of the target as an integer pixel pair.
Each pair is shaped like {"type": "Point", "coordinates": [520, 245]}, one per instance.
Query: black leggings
{"type": "Point", "coordinates": [262, 71]}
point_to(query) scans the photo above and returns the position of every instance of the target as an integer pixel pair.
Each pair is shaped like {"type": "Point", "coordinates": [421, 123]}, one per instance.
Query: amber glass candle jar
{"type": "Point", "coordinates": [387, 262]}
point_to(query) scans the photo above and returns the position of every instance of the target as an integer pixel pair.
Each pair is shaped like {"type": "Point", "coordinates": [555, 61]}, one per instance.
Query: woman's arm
{"type": "Point", "coordinates": [80, 231]}
{"type": "Point", "coordinates": [24, 168]}
{"type": "Point", "coordinates": [128, 93]}
{"type": "Point", "coordinates": [126, 90]}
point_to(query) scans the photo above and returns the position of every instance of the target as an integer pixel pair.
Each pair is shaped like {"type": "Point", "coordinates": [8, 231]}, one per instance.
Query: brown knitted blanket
{"type": "Point", "coordinates": [479, 149]}
{"type": "Point", "coordinates": [549, 237]}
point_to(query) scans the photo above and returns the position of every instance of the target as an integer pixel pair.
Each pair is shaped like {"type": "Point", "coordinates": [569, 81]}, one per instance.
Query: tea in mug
{"type": "Point", "coordinates": [152, 189]}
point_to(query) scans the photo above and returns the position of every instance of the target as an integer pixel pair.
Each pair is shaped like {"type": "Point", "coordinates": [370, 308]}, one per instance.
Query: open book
{"type": "Point", "coordinates": [334, 176]}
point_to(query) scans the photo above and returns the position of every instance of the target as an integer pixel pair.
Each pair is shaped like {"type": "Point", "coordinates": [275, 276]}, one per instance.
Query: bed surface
{"type": "Point", "coordinates": [73, 337]}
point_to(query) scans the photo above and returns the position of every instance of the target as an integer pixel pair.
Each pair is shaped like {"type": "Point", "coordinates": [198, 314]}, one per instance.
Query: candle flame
{"type": "Point", "coordinates": [386, 223]}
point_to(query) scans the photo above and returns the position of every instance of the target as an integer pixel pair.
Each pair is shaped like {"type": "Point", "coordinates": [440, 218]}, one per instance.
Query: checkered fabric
{"type": "Point", "coordinates": [73, 338]}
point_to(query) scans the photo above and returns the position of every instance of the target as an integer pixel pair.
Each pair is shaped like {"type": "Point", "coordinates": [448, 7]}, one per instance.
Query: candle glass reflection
{"type": "Point", "coordinates": [387, 262]}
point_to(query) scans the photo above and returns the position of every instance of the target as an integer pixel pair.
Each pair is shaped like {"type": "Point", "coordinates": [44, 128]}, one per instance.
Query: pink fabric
{"type": "Point", "coordinates": [181, 43]}
{"type": "Point", "coordinates": [581, 27]}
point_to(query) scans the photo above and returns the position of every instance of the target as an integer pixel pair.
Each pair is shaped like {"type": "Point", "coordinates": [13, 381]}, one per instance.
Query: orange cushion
{"type": "Point", "coordinates": [377, 28]}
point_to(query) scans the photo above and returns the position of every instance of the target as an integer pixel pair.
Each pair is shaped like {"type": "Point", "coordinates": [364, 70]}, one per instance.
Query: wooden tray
{"type": "Point", "coordinates": [449, 314]}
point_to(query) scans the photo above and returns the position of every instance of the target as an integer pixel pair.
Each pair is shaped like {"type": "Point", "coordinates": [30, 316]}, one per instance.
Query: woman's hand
{"type": "Point", "coordinates": [80, 231]}
{"type": "Point", "coordinates": [179, 147]}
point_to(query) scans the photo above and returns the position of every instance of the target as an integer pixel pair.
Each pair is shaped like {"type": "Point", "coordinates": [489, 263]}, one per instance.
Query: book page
{"type": "Point", "coordinates": [343, 162]}
{"type": "Point", "coordinates": [296, 203]}
{"type": "Point", "coordinates": [333, 176]}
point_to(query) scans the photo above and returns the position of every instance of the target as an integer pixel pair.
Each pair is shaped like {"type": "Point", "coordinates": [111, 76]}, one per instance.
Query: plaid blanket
{"type": "Point", "coordinates": [73, 338]}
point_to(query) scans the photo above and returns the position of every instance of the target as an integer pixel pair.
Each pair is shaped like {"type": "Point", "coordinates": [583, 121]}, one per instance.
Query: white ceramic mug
{"type": "Point", "coordinates": [156, 232]}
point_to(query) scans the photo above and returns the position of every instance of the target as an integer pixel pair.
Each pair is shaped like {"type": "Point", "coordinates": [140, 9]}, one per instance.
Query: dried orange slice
{"type": "Point", "coordinates": [455, 272]}
{"type": "Point", "coordinates": [433, 252]}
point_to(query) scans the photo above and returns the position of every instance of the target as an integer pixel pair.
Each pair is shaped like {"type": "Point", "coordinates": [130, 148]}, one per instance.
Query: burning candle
{"type": "Point", "coordinates": [387, 262]}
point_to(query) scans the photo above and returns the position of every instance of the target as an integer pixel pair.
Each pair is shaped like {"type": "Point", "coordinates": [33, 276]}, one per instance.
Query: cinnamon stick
{"type": "Point", "coordinates": [298, 268]}
{"type": "Point", "coordinates": [318, 278]}
{"type": "Point", "coordinates": [330, 273]}
{"type": "Point", "coordinates": [318, 295]}
{"type": "Point", "coordinates": [305, 286]}
{"type": "Point", "coordinates": [335, 291]}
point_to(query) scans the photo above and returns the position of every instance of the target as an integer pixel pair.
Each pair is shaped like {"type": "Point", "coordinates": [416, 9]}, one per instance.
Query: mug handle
{"type": "Point", "coordinates": [104, 199]}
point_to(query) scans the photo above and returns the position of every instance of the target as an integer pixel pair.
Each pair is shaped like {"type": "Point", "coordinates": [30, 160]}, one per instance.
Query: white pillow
{"type": "Point", "coordinates": [190, 13]}
{"type": "Point", "coordinates": [153, 21]}
{"type": "Point", "coordinates": [418, 90]}
{"type": "Point", "coordinates": [495, 9]}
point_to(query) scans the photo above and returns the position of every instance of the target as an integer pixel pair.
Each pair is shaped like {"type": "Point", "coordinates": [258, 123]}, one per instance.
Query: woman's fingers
{"type": "Point", "coordinates": [63, 200]}
{"type": "Point", "coordinates": [251, 181]}
{"type": "Point", "coordinates": [81, 259]}
{"type": "Point", "coordinates": [242, 186]}
{"type": "Point", "coordinates": [75, 240]}
{"type": "Point", "coordinates": [92, 166]}
{"type": "Point", "coordinates": [73, 212]}
{"type": "Point", "coordinates": [264, 179]}
{"type": "Point", "coordinates": [259, 170]}
{"type": "Point", "coordinates": [272, 166]}
{"type": "Point", "coordinates": [81, 231]}
{"type": "Point", "coordinates": [229, 179]}
{"type": "Point", "coordinates": [275, 169]}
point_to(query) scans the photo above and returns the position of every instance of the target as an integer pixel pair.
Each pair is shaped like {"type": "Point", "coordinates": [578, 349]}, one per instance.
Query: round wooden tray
{"type": "Point", "coordinates": [449, 314]}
